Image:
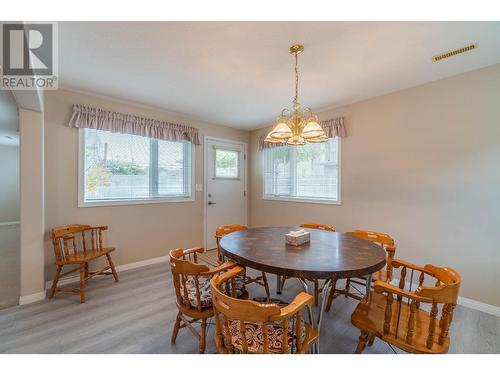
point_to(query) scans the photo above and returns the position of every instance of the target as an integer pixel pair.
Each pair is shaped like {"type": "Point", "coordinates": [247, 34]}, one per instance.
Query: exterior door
{"type": "Point", "coordinates": [225, 184]}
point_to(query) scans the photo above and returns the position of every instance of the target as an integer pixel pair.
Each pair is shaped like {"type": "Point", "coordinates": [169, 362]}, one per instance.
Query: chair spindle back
{"type": "Point", "coordinates": [231, 312]}
{"type": "Point", "coordinates": [185, 270]}
{"type": "Point", "coordinates": [72, 239]}
{"type": "Point", "coordinates": [441, 292]}
{"type": "Point", "coordinates": [226, 229]}
{"type": "Point", "coordinates": [382, 239]}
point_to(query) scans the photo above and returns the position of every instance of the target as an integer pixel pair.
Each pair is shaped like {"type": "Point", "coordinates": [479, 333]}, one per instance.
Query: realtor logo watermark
{"type": "Point", "coordinates": [29, 56]}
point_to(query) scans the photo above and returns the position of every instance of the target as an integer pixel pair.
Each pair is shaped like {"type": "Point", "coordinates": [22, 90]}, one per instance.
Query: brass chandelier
{"type": "Point", "coordinates": [298, 126]}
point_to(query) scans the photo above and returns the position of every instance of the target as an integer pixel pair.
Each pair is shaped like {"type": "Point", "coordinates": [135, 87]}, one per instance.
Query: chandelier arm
{"type": "Point", "coordinates": [284, 111]}
{"type": "Point", "coordinates": [308, 109]}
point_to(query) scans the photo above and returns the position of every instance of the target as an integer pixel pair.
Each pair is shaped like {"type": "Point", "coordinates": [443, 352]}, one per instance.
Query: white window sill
{"type": "Point", "coordinates": [133, 202]}
{"type": "Point", "coordinates": [301, 200]}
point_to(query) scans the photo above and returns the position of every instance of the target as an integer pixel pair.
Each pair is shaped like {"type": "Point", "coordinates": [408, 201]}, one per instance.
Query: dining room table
{"type": "Point", "coordinates": [328, 256]}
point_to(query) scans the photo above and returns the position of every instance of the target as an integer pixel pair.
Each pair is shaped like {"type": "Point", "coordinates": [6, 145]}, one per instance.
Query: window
{"type": "Point", "coordinates": [226, 163]}
{"type": "Point", "coordinates": [303, 173]}
{"type": "Point", "coordinates": [122, 168]}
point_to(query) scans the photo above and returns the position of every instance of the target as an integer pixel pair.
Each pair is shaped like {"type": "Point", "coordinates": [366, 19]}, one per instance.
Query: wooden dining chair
{"type": "Point", "coordinates": [319, 226]}
{"type": "Point", "coordinates": [226, 229]}
{"type": "Point", "coordinates": [317, 289]}
{"type": "Point", "coordinates": [252, 327]}
{"type": "Point", "coordinates": [396, 314]}
{"type": "Point", "coordinates": [77, 245]}
{"type": "Point", "coordinates": [192, 289]}
{"type": "Point", "coordinates": [385, 274]}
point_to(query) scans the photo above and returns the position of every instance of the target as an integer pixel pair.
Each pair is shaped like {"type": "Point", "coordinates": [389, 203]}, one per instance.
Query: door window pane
{"type": "Point", "coordinates": [226, 163]}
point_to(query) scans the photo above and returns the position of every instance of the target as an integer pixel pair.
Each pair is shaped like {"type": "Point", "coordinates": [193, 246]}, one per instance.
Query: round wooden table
{"type": "Point", "coordinates": [328, 256]}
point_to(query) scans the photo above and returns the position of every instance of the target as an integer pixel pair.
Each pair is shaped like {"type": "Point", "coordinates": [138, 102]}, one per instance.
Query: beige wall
{"type": "Point", "coordinates": [9, 184]}
{"type": "Point", "coordinates": [138, 231]}
{"type": "Point", "coordinates": [32, 227]}
{"type": "Point", "coordinates": [422, 164]}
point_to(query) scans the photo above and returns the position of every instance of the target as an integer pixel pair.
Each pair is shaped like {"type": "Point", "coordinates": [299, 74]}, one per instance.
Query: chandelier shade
{"type": "Point", "coordinates": [312, 129]}
{"type": "Point", "coordinates": [297, 128]}
{"type": "Point", "coordinates": [281, 131]}
{"type": "Point", "coordinates": [319, 139]}
{"type": "Point", "coordinates": [296, 140]}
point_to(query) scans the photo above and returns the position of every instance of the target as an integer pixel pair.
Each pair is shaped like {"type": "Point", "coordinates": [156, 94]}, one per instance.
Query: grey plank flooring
{"type": "Point", "coordinates": [137, 314]}
{"type": "Point", "coordinates": [9, 266]}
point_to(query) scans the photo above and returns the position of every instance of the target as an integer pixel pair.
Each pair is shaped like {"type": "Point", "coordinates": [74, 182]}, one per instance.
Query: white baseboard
{"type": "Point", "coordinates": [120, 268]}
{"type": "Point", "coordinates": [30, 298]}
{"type": "Point", "coordinates": [480, 306]}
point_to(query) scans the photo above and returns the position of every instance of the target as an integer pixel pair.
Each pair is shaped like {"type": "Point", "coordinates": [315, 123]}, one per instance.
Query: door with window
{"type": "Point", "coordinates": [225, 195]}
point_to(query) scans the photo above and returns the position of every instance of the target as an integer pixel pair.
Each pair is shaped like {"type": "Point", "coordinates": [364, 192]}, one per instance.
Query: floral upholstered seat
{"type": "Point", "coordinates": [205, 293]}
{"type": "Point", "coordinates": [255, 338]}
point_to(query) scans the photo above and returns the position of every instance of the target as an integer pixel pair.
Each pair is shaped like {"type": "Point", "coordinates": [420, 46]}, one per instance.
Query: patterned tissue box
{"type": "Point", "coordinates": [297, 238]}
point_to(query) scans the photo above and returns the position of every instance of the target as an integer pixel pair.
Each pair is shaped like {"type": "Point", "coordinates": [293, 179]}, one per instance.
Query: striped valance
{"type": "Point", "coordinates": [333, 128]}
{"type": "Point", "coordinates": [101, 119]}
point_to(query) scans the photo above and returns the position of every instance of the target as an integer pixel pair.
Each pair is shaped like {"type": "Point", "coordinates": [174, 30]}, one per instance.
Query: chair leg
{"type": "Point", "coordinates": [203, 335]}
{"type": "Point", "coordinates": [331, 295]}
{"type": "Point", "coordinates": [266, 285]}
{"type": "Point", "coordinates": [86, 270]}
{"type": "Point", "coordinates": [176, 328]}
{"type": "Point", "coordinates": [347, 287]}
{"type": "Point", "coordinates": [82, 283]}
{"type": "Point", "coordinates": [55, 281]}
{"type": "Point", "coordinates": [371, 339]}
{"type": "Point", "coordinates": [282, 281]}
{"type": "Point", "coordinates": [115, 274]}
{"type": "Point", "coordinates": [363, 337]}
{"type": "Point", "coordinates": [316, 292]}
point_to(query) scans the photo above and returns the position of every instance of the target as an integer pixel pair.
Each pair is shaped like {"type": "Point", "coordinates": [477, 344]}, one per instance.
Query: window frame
{"type": "Point", "coordinates": [284, 198]}
{"type": "Point", "coordinates": [125, 202]}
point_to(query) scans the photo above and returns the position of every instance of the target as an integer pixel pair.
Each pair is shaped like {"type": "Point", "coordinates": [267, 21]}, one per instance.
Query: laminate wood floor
{"type": "Point", "coordinates": [137, 314]}
{"type": "Point", "coordinates": [9, 266]}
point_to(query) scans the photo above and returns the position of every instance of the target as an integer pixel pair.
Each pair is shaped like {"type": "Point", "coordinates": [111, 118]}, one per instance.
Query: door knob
{"type": "Point", "coordinates": [210, 203]}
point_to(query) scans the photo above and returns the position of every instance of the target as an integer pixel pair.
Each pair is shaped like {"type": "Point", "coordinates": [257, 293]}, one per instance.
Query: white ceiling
{"type": "Point", "coordinates": [241, 75]}
{"type": "Point", "coordinates": [9, 135]}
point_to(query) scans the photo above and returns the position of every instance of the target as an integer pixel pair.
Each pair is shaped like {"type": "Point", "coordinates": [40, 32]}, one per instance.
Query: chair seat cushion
{"type": "Point", "coordinates": [205, 292]}
{"type": "Point", "coordinates": [255, 338]}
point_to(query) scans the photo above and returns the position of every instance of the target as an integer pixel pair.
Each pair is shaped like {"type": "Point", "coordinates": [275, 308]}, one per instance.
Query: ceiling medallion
{"type": "Point", "coordinates": [298, 126]}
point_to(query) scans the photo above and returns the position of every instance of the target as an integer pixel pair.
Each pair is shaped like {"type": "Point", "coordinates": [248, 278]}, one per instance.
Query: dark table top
{"type": "Point", "coordinates": [328, 255]}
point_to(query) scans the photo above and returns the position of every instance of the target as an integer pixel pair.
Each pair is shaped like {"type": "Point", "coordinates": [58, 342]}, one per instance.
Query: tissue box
{"type": "Point", "coordinates": [297, 238]}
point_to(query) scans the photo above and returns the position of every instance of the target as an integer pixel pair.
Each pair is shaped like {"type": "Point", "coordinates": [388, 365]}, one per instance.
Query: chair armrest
{"type": "Point", "coordinates": [384, 287]}
{"type": "Point", "coordinates": [391, 249]}
{"type": "Point", "coordinates": [396, 263]}
{"type": "Point", "coordinates": [223, 267]}
{"type": "Point", "coordinates": [300, 301]}
{"type": "Point", "coordinates": [193, 250]}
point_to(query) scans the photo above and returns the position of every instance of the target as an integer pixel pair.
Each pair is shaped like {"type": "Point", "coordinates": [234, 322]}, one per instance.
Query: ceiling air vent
{"type": "Point", "coordinates": [455, 52]}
